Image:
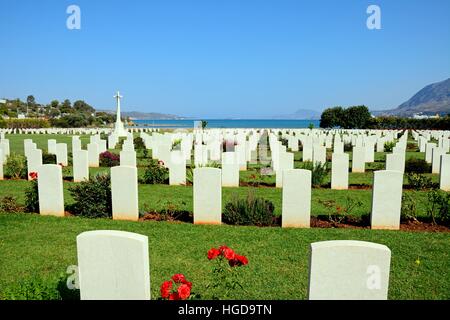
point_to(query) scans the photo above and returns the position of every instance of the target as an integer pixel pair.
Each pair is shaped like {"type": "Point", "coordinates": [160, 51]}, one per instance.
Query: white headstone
{"type": "Point", "coordinates": [93, 155]}
{"type": "Point", "coordinates": [50, 190]}
{"type": "Point", "coordinates": [444, 174]}
{"type": "Point", "coordinates": [296, 203]}
{"type": "Point", "coordinates": [113, 265]}
{"type": "Point", "coordinates": [177, 168]}
{"type": "Point", "coordinates": [207, 196]}
{"type": "Point", "coordinates": [61, 154]}
{"type": "Point", "coordinates": [124, 190]}
{"type": "Point", "coordinates": [80, 166]}
{"type": "Point", "coordinates": [349, 270]}
{"type": "Point", "coordinates": [339, 171]}
{"type": "Point", "coordinates": [128, 158]}
{"type": "Point", "coordinates": [358, 159]}
{"type": "Point", "coordinates": [230, 170]}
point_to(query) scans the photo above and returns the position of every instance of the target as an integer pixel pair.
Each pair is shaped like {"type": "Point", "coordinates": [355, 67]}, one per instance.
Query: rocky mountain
{"type": "Point", "coordinates": [431, 100]}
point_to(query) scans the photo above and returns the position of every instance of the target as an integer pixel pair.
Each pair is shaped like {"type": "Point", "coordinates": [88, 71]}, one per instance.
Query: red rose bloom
{"type": "Point", "coordinates": [228, 253]}
{"type": "Point", "coordinates": [178, 278]}
{"type": "Point", "coordinates": [242, 260]}
{"type": "Point", "coordinates": [165, 289]}
{"type": "Point", "coordinates": [189, 284]}
{"type": "Point", "coordinates": [184, 291]}
{"type": "Point", "coordinates": [238, 261]}
{"type": "Point", "coordinates": [213, 253]}
{"type": "Point", "coordinates": [33, 175]}
{"type": "Point", "coordinates": [174, 296]}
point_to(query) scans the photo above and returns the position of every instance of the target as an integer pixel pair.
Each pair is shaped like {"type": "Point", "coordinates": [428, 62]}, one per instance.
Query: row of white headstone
{"type": "Point", "coordinates": [114, 265]}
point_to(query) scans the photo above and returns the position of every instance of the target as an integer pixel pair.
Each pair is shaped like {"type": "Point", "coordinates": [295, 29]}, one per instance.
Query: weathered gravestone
{"type": "Point", "coordinates": [348, 270]}
{"type": "Point", "coordinates": [124, 191]}
{"type": "Point", "coordinates": [113, 265]}
{"type": "Point", "coordinates": [207, 196]}
{"type": "Point", "coordinates": [296, 202]}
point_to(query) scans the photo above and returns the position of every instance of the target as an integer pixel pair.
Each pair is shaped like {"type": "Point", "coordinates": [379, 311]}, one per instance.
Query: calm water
{"type": "Point", "coordinates": [225, 123]}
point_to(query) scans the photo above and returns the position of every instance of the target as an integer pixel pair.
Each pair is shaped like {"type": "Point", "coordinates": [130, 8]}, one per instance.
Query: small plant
{"type": "Point", "coordinates": [16, 166]}
{"type": "Point", "coordinates": [249, 211]}
{"type": "Point", "coordinates": [389, 146]}
{"type": "Point", "coordinates": [409, 207]}
{"type": "Point", "coordinates": [177, 288]}
{"type": "Point", "coordinates": [419, 181]}
{"type": "Point", "coordinates": [139, 143]}
{"type": "Point", "coordinates": [417, 166]}
{"type": "Point", "coordinates": [204, 124]}
{"type": "Point", "coordinates": [109, 159]}
{"type": "Point", "coordinates": [348, 147]}
{"type": "Point", "coordinates": [155, 173]}
{"type": "Point", "coordinates": [411, 147]}
{"type": "Point", "coordinates": [336, 212]}
{"type": "Point", "coordinates": [32, 194]}
{"type": "Point", "coordinates": [8, 204]}
{"type": "Point", "coordinates": [439, 206]}
{"type": "Point", "coordinates": [92, 198]}
{"type": "Point", "coordinates": [224, 274]}
{"type": "Point", "coordinates": [48, 158]}
{"type": "Point", "coordinates": [176, 144]}
{"type": "Point", "coordinates": [318, 172]}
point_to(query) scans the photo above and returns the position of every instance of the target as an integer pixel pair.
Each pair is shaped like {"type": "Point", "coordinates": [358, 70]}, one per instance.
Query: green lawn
{"type": "Point", "coordinates": [35, 246]}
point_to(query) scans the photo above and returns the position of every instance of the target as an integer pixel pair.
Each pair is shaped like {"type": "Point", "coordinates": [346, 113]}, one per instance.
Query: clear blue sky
{"type": "Point", "coordinates": [212, 58]}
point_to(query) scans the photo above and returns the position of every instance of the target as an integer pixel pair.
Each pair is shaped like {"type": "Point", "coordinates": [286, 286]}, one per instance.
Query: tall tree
{"type": "Point", "coordinates": [332, 117]}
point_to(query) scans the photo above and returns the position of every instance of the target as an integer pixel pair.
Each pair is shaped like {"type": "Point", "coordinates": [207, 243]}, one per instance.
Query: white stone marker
{"type": "Point", "coordinates": [436, 159]}
{"type": "Point", "coordinates": [61, 154]}
{"type": "Point", "coordinates": [444, 173]}
{"type": "Point", "coordinates": [358, 160]}
{"type": "Point", "coordinates": [50, 190]}
{"type": "Point", "coordinates": [207, 196]}
{"type": "Point", "coordinates": [386, 199]}
{"type": "Point", "coordinates": [285, 162]}
{"type": "Point", "coordinates": [93, 155]}
{"type": "Point", "coordinates": [51, 146]}
{"type": "Point", "coordinates": [1, 164]}
{"type": "Point", "coordinates": [349, 270]}
{"type": "Point", "coordinates": [230, 169]}
{"type": "Point", "coordinates": [395, 162]}
{"type": "Point", "coordinates": [177, 168]}
{"type": "Point", "coordinates": [128, 158]}
{"type": "Point", "coordinates": [319, 154]}
{"type": "Point", "coordinates": [124, 190]}
{"type": "Point", "coordinates": [296, 202]}
{"type": "Point", "coordinates": [339, 171]}
{"type": "Point", "coordinates": [80, 166]}
{"type": "Point", "coordinates": [113, 265]}
{"type": "Point", "coordinates": [34, 161]}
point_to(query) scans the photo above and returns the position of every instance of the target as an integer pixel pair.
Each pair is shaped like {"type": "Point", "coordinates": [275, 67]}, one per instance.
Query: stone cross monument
{"type": "Point", "coordinates": [119, 129]}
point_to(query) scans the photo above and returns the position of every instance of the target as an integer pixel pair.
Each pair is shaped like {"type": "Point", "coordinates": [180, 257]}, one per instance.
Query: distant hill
{"type": "Point", "coordinates": [431, 100]}
{"type": "Point", "coordinates": [136, 115]}
{"type": "Point", "coordinates": [301, 114]}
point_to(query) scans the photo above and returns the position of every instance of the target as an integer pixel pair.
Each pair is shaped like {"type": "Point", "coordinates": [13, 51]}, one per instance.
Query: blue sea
{"type": "Point", "coordinates": [229, 123]}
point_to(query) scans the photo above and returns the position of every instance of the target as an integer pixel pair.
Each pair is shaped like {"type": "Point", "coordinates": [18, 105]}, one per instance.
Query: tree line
{"type": "Point", "coordinates": [55, 114]}
{"type": "Point", "coordinates": [359, 117]}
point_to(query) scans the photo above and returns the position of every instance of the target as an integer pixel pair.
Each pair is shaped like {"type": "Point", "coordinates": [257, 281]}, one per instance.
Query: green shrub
{"type": "Point", "coordinates": [139, 143]}
{"type": "Point", "coordinates": [419, 181]}
{"type": "Point", "coordinates": [389, 146]}
{"type": "Point", "coordinates": [8, 204]}
{"type": "Point", "coordinates": [348, 147]}
{"type": "Point", "coordinates": [318, 172]}
{"type": "Point", "coordinates": [417, 166]}
{"type": "Point", "coordinates": [16, 166]}
{"type": "Point", "coordinates": [409, 206]}
{"type": "Point", "coordinates": [48, 158]}
{"type": "Point", "coordinates": [411, 147]}
{"type": "Point", "coordinates": [32, 198]}
{"type": "Point", "coordinates": [92, 198]}
{"type": "Point", "coordinates": [155, 173]}
{"type": "Point", "coordinates": [439, 206]}
{"type": "Point", "coordinates": [249, 211]}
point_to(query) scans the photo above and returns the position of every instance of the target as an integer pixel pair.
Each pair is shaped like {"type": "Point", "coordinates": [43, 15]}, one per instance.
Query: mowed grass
{"type": "Point", "coordinates": [39, 246]}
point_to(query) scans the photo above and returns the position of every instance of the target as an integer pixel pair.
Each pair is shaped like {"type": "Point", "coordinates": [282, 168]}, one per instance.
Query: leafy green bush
{"type": "Point", "coordinates": [48, 158]}
{"type": "Point", "coordinates": [8, 204]}
{"type": "Point", "coordinates": [16, 166]}
{"type": "Point", "coordinates": [439, 206]}
{"type": "Point", "coordinates": [155, 173]}
{"type": "Point", "coordinates": [139, 143]}
{"type": "Point", "coordinates": [249, 211]}
{"type": "Point", "coordinates": [92, 198]}
{"type": "Point", "coordinates": [418, 181]}
{"type": "Point", "coordinates": [389, 146]}
{"type": "Point", "coordinates": [409, 207]}
{"type": "Point", "coordinates": [318, 172]}
{"type": "Point", "coordinates": [417, 166]}
{"type": "Point", "coordinates": [348, 147]}
{"type": "Point", "coordinates": [32, 198]}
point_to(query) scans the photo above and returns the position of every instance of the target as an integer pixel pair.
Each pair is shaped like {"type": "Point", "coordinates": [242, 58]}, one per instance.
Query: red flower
{"type": "Point", "coordinates": [160, 162]}
{"type": "Point", "coordinates": [184, 291]}
{"type": "Point", "coordinates": [238, 261]}
{"type": "Point", "coordinates": [189, 284]}
{"type": "Point", "coordinates": [213, 253]}
{"type": "Point", "coordinates": [227, 252]}
{"type": "Point", "coordinates": [174, 296]}
{"type": "Point", "coordinates": [178, 278]}
{"type": "Point", "coordinates": [33, 175]}
{"type": "Point", "coordinates": [165, 289]}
